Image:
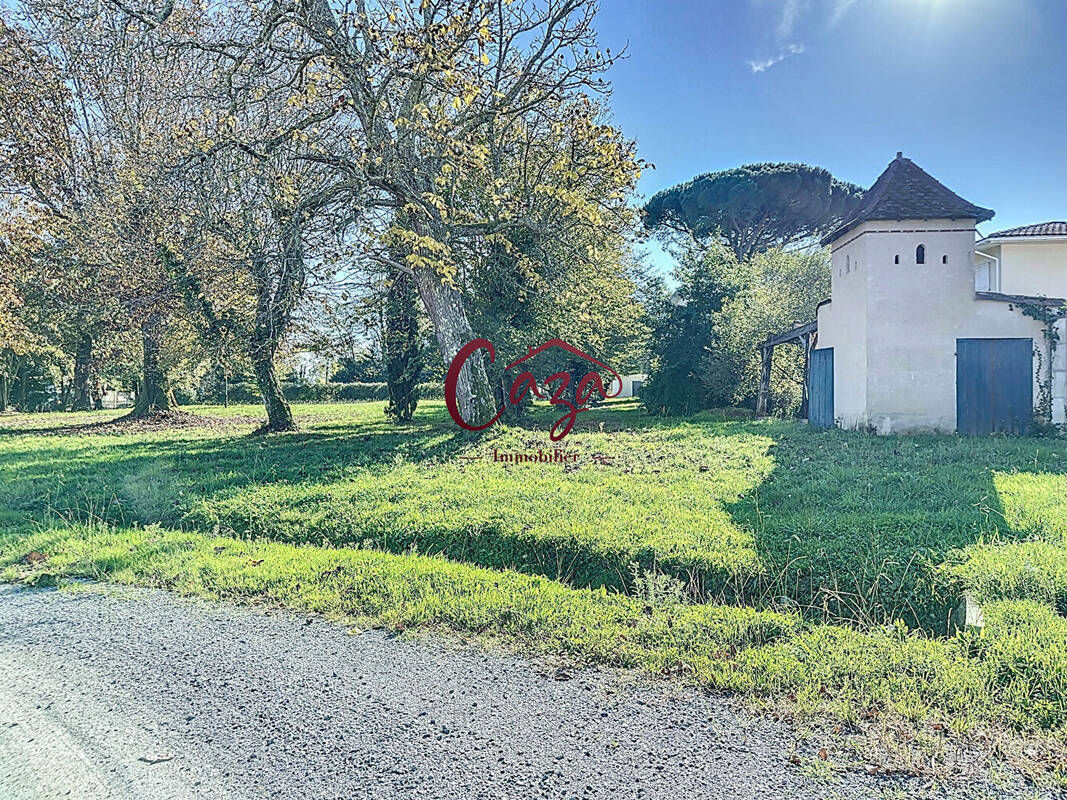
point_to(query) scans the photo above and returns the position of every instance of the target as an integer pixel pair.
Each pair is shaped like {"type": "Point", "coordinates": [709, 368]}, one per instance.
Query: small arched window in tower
{"type": "Point", "coordinates": [896, 259]}
{"type": "Point", "coordinates": [920, 254]}
{"type": "Point", "coordinates": [944, 259]}
{"type": "Point", "coordinates": [848, 264]}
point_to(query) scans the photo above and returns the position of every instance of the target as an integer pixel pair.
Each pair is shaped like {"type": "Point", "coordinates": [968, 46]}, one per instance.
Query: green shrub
{"type": "Point", "coordinates": [240, 392]}
{"type": "Point", "coordinates": [360, 391]}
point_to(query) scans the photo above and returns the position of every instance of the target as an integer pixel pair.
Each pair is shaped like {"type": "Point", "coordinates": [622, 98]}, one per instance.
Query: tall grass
{"type": "Point", "coordinates": [748, 555]}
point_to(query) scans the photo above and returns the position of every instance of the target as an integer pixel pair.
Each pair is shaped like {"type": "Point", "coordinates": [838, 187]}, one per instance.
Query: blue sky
{"type": "Point", "coordinates": [973, 91]}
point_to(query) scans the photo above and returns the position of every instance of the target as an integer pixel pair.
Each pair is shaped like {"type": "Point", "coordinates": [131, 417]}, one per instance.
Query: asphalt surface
{"type": "Point", "coordinates": [137, 694]}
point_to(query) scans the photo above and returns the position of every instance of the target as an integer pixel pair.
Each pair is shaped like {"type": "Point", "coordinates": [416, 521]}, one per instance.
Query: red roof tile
{"type": "Point", "coordinates": [905, 191]}
{"type": "Point", "coordinates": [1040, 229]}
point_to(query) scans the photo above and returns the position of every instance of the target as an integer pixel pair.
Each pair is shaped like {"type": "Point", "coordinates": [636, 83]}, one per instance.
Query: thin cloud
{"type": "Point", "coordinates": [787, 20]}
{"type": "Point", "coordinates": [794, 18]}
{"type": "Point", "coordinates": [840, 9]}
{"type": "Point", "coordinates": [766, 64]}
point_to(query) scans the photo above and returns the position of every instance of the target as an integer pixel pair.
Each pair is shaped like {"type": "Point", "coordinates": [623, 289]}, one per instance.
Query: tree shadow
{"type": "Point", "coordinates": [546, 524]}
{"type": "Point", "coordinates": [27, 426]}
{"type": "Point", "coordinates": [348, 480]}
{"type": "Point", "coordinates": [147, 479]}
{"type": "Point", "coordinates": [848, 525]}
{"type": "Point", "coordinates": [123, 423]}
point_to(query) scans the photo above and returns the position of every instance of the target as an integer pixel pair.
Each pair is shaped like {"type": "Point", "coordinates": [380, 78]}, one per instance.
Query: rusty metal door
{"type": "Point", "coordinates": [994, 386]}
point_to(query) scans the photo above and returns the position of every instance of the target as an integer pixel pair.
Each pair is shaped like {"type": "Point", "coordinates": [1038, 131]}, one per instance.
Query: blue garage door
{"type": "Point", "coordinates": [994, 386]}
{"type": "Point", "coordinates": [821, 388]}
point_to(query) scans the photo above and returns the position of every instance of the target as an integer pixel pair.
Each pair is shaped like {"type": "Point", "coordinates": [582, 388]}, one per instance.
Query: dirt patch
{"type": "Point", "coordinates": [159, 421]}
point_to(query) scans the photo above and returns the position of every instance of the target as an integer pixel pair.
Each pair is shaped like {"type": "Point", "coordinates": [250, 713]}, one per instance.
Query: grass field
{"type": "Point", "coordinates": [820, 567]}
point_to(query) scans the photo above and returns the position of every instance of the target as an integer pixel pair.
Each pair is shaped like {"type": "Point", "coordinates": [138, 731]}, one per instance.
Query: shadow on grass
{"type": "Point", "coordinates": [58, 423]}
{"type": "Point", "coordinates": [845, 525]}
{"type": "Point", "coordinates": [347, 480]}
{"type": "Point", "coordinates": [849, 525]}
{"type": "Point", "coordinates": [597, 526]}
{"type": "Point", "coordinates": [137, 478]}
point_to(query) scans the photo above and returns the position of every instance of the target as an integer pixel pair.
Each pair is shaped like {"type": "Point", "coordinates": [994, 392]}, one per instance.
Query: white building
{"type": "Point", "coordinates": [927, 329]}
{"type": "Point", "coordinates": [630, 385]}
{"type": "Point", "coordinates": [112, 398]}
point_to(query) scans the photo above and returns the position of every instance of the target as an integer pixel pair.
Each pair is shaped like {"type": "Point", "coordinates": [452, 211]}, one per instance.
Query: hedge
{"type": "Point", "coordinates": [244, 392]}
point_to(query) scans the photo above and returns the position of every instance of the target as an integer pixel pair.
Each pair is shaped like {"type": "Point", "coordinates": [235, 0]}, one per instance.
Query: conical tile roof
{"type": "Point", "coordinates": [906, 191]}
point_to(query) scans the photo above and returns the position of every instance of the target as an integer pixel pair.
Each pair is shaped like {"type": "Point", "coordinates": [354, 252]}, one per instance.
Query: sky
{"type": "Point", "coordinates": [973, 91]}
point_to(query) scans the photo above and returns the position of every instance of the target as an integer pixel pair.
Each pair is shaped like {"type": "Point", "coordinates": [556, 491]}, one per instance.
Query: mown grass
{"type": "Point", "coordinates": [353, 478]}
{"type": "Point", "coordinates": [587, 526]}
{"type": "Point", "coordinates": [854, 526]}
{"type": "Point", "coordinates": [1033, 566]}
{"type": "Point", "coordinates": [847, 527]}
{"type": "Point", "coordinates": [859, 540]}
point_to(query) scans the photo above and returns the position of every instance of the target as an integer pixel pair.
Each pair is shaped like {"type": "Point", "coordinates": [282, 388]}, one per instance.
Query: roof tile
{"type": "Point", "coordinates": [1039, 229]}
{"type": "Point", "coordinates": [905, 191]}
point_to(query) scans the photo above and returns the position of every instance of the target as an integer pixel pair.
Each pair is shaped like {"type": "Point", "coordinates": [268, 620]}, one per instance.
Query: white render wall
{"type": "Point", "coordinates": [1032, 267]}
{"type": "Point", "coordinates": [894, 327]}
{"type": "Point", "coordinates": [627, 387]}
{"type": "Point", "coordinates": [842, 326]}
{"type": "Point", "coordinates": [1038, 267]}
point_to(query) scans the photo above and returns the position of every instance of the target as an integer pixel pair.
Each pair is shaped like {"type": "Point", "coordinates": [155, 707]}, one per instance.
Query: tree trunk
{"type": "Point", "coordinates": [222, 385]}
{"type": "Point", "coordinates": [20, 381]}
{"type": "Point", "coordinates": [279, 415]}
{"type": "Point", "coordinates": [513, 412]}
{"type": "Point", "coordinates": [3, 392]}
{"type": "Point", "coordinates": [82, 358]}
{"type": "Point", "coordinates": [278, 287]}
{"type": "Point", "coordinates": [154, 393]}
{"type": "Point", "coordinates": [444, 305]}
{"type": "Point", "coordinates": [64, 392]}
{"type": "Point", "coordinates": [403, 355]}
{"type": "Point", "coordinates": [20, 376]}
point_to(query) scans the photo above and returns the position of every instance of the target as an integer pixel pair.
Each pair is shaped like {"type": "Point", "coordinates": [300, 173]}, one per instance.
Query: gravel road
{"type": "Point", "coordinates": [137, 694]}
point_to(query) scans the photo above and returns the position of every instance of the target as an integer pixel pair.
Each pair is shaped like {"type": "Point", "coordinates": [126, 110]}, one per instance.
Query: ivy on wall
{"type": "Point", "coordinates": [1048, 316]}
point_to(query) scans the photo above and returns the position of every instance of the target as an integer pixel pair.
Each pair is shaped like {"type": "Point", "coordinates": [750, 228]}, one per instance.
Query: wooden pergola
{"type": "Point", "coordinates": [799, 335]}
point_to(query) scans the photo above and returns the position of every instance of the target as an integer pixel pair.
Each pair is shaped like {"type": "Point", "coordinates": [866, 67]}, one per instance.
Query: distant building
{"type": "Point", "coordinates": [631, 386]}
{"type": "Point", "coordinates": [114, 398]}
